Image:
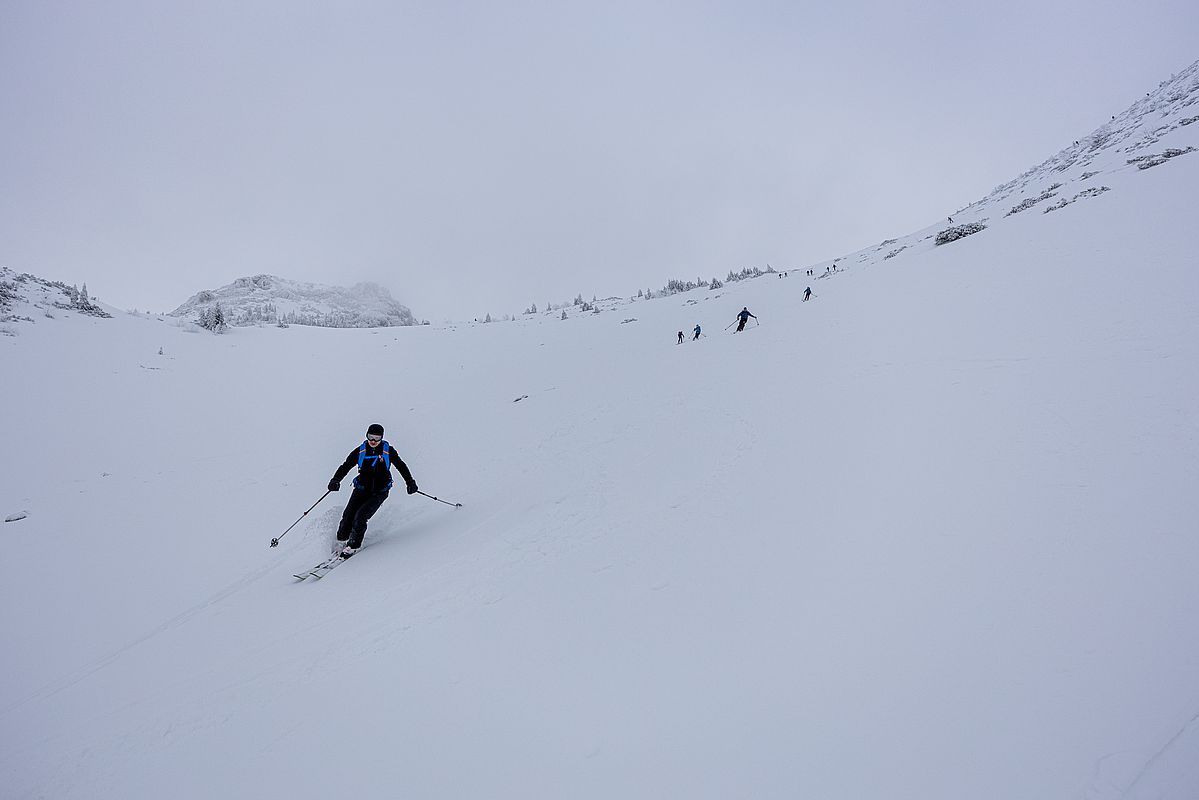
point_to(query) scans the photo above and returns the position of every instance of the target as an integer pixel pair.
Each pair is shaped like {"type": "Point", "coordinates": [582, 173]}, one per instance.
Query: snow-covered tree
{"type": "Point", "coordinates": [748, 272]}
{"type": "Point", "coordinates": [213, 319]}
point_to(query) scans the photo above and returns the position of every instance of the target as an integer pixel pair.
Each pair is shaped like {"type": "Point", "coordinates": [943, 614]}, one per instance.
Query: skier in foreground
{"type": "Point", "coordinates": [742, 317]}
{"type": "Point", "coordinates": [375, 459]}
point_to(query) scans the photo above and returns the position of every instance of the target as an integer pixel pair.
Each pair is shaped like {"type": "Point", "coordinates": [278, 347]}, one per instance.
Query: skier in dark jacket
{"type": "Point", "coordinates": [807, 293]}
{"type": "Point", "coordinates": [697, 331]}
{"type": "Point", "coordinates": [742, 318]}
{"type": "Point", "coordinates": [374, 458]}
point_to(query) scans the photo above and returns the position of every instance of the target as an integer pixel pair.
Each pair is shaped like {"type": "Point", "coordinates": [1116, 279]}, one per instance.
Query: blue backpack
{"type": "Point", "coordinates": [363, 458]}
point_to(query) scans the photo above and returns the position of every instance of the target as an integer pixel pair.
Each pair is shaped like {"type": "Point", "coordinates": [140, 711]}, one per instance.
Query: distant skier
{"type": "Point", "coordinates": [374, 458]}
{"type": "Point", "coordinates": [807, 293]}
{"type": "Point", "coordinates": [696, 336]}
{"type": "Point", "coordinates": [742, 317]}
{"type": "Point", "coordinates": [680, 341]}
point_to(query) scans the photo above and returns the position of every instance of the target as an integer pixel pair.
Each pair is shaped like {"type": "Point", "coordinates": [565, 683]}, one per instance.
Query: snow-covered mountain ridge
{"type": "Point", "coordinates": [1155, 130]}
{"type": "Point", "coordinates": [25, 298]}
{"type": "Point", "coordinates": [267, 299]}
{"type": "Point", "coordinates": [1147, 134]}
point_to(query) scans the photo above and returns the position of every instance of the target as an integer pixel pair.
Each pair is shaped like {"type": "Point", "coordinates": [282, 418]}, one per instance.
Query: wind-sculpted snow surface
{"type": "Point", "coordinates": [927, 535]}
{"type": "Point", "coordinates": [266, 299]}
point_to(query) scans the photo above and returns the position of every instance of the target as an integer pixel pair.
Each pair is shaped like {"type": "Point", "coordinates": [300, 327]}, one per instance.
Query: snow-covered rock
{"type": "Point", "coordinates": [269, 299]}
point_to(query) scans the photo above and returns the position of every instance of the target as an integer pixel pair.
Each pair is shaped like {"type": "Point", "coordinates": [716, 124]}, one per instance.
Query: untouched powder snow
{"type": "Point", "coordinates": [928, 535]}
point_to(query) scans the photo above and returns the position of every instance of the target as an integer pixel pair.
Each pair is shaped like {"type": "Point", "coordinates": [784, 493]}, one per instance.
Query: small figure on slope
{"type": "Point", "coordinates": [680, 341]}
{"type": "Point", "coordinates": [374, 458]}
{"type": "Point", "coordinates": [696, 336]}
{"type": "Point", "coordinates": [743, 317]}
{"type": "Point", "coordinates": [807, 293]}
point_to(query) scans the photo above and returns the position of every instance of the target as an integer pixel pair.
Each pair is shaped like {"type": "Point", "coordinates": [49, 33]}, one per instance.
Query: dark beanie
{"type": "Point", "coordinates": [375, 430]}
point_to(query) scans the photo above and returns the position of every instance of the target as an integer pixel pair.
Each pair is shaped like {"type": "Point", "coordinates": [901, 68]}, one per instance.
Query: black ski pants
{"type": "Point", "coordinates": [362, 507]}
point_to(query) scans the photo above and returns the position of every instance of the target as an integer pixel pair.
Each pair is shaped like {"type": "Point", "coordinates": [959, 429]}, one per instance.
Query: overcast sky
{"type": "Point", "coordinates": [477, 157]}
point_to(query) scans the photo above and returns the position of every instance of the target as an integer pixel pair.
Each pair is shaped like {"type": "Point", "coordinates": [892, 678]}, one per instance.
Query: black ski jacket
{"type": "Point", "coordinates": [373, 477]}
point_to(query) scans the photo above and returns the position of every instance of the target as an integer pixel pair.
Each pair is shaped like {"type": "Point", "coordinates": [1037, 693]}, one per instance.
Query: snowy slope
{"type": "Point", "coordinates": [269, 299]}
{"type": "Point", "coordinates": [929, 535]}
{"type": "Point", "coordinates": [1155, 132]}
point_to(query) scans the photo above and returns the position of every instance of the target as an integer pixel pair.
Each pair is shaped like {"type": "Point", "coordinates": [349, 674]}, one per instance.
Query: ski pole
{"type": "Point", "coordinates": [731, 324]}
{"type": "Point", "coordinates": [275, 541]}
{"type": "Point", "coordinates": [438, 499]}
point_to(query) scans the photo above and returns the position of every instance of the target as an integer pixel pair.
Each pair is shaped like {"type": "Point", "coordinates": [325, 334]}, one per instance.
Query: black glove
{"type": "Point", "coordinates": [334, 485]}
{"type": "Point", "coordinates": [412, 487]}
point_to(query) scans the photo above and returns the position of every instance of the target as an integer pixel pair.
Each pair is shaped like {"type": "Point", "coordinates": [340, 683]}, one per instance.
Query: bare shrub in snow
{"type": "Point", "coordinates": [1092, 192]}
{"type": "Point", "coordinates": [959, 232]}
{"type": "Point", "coordinates": [1028, 203]}
{"type": "Point", "coordinates": [1145, 162]}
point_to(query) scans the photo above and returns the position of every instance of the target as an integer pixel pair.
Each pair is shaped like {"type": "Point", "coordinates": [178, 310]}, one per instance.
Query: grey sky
{"type": "Point", "coordinates": [478, 157]}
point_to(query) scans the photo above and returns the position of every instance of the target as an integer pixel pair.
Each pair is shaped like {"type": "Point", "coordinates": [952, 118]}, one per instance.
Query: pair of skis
{"type": "Point", "coordinates": [322, 569]}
